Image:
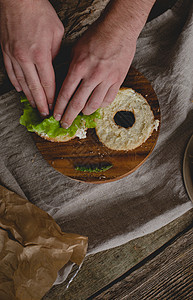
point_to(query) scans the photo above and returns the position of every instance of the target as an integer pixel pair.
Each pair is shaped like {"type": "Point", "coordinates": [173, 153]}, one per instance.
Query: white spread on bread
{"type": "Point", "coordinates": [117, 137]}
{"type": "Point", "coordinates": [80, 133]}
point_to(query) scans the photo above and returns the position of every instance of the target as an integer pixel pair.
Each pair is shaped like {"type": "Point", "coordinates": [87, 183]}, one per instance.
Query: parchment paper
{"type": "Point", "coordinates": [32, 249]}
{"type": "Point", "coordinates": [114, 213]}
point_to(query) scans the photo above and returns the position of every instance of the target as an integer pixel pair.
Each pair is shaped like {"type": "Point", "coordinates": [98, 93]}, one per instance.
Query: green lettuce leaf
{"type": "Point", "coordinates": [34, 123]}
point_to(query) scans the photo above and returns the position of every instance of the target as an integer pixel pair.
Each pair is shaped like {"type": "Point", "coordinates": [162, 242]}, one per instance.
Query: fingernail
{"type": "Point", "coordinates": [33, 104]}
{"type": "Point", "coordinates": [50, 106]}
{"type": "Point", "coordinates": [44, 114]}
{"type": "Point", "coordinates": [65, 125]}
{"type": "Point", "coordinates": [18, 89]}
{"type": "Point", "coordinates": [57, 117]}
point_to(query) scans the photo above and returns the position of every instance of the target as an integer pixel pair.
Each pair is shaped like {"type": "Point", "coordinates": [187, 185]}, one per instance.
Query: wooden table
{"type": "Point", "coordinates": [156, 266]}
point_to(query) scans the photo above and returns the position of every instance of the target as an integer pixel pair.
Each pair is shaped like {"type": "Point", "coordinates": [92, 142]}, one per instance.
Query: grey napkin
{"type": "Point", "coordinates": [113, 213]}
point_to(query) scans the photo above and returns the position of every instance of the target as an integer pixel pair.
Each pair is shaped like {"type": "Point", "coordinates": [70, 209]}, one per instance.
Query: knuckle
{"type": "Point", "coordinates": [76, 105]}
{"type": "Point", "coordinates": [97, 74]}
{"type": "Point", "coordinates": [34, 87]}
{"type": "Point", "coordinates": [80, 67]}
{"type": "Point", "coordinates": [19, 54]}
{"type": "Point", "coordinates": [38, 55]}
{"type": "Point", "coordinates": [64, 97]}
{"type": "Point", "coordinates": [95, 77]}
{"type": "Point", "coordinates": [47, 84]}
{"type": "Point", "coordinates": [87, 84]}
{"type": "Point", "coordinates": [21, 78]}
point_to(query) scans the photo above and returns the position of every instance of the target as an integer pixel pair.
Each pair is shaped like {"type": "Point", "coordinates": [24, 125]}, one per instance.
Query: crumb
{"type": "Point", "coordinates": [33, 159]}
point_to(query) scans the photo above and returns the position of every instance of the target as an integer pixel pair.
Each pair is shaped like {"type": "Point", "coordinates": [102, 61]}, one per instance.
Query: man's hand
{"type": "Point", "coordinates": [98, 68]}
{"type": "Point", "coordinates": [101, 60]}
{"type": "Point", "coordinates": [31, 35]}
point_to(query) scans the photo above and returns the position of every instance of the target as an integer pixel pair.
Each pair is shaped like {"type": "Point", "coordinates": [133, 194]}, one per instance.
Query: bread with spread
{"type": "Point", "coordinates": [127, 137]}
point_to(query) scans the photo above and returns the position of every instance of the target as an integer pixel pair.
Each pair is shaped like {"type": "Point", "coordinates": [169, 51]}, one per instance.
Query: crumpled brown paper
{"type": "Point", "coordinates": [32, 249]}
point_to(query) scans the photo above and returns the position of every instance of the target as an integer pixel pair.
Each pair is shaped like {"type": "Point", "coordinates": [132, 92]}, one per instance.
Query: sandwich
{"type": "Point", "coordinates": [50, 129]}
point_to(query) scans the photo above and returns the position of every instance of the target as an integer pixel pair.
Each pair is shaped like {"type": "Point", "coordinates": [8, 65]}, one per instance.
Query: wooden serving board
{"type": "Point", "coordinates": [90, 152]}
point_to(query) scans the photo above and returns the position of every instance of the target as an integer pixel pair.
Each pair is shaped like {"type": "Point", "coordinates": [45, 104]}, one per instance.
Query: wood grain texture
{"type": "Point", "coordinates": [65, 157]}
{"type": "Point", "coordinates": [78, 15]}
{"type": "Point", "coordinates": [168, 276]}
{"type": "Point", "coordinates": [102, 268]}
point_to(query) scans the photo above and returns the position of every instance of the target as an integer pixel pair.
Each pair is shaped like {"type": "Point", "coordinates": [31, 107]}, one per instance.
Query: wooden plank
{"type": "Point", "coordinates": [168, 276]}
{"type": "Point", "coordinates": [102, 268]}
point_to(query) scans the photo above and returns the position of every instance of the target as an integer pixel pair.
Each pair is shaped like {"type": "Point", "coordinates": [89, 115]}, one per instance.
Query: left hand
{"type": "Point", "coordinates": [30, 37]}
{"type": "Point", "coordinates": [99, 65]}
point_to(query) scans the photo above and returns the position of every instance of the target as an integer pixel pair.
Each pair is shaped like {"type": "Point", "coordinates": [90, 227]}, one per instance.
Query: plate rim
{"type": "Point", "coordinates": [185, 166]}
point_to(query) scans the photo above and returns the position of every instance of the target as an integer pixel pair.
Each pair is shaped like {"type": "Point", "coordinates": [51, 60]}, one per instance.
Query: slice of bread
{"type": "Point", "coordinates": [57, 138]}
{"type": "Point", "coordinates": [81, 134]}
{"type": "Point", "coordinates": [116, 137]}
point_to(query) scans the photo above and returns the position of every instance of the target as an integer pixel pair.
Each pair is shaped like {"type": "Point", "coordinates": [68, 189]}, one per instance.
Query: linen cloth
{"type": "Point", "coordinates": [113, 213]}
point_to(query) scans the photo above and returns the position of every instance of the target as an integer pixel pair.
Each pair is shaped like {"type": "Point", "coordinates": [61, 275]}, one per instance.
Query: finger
{"type": "Point", "coordinates": [77, 103]}
{"type": "Point", "coordinates": [11, 73]}
{"type": "Point", "coordinates": [96, 99]}
{"type": "Point", "coordinates": [47, 79]}
{"type": "Point", "coordinates": [21, 79]}
{"type": "Point", "coordinates": [69, 86]}
{"type": "Point", "coordinates": [110, 95]}
{"type": "Point", "coordinates": [35, 87]}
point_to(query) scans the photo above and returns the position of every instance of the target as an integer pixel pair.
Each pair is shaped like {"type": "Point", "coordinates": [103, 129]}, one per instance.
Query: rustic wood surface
{"type": "Point", "coordinates": [169, 275]}
{"type": "Point", "coordinates": [90, 152]}
{"type": "Point", "coordinates": [101, 269]}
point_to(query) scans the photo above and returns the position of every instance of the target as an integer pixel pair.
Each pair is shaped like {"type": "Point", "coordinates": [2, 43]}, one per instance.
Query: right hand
{"type": "Point", "coordinates": [30, 36]}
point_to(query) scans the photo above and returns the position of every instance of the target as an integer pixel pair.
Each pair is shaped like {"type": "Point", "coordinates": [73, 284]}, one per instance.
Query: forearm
{"type": "Point", "coordinates": [123, 16]}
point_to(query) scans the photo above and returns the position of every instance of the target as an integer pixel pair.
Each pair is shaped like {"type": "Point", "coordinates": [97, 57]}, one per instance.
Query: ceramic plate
{"type": "Point", "coordinates": [188, 168]}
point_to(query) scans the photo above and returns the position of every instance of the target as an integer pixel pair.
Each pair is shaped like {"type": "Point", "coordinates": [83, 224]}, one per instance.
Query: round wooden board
{"type": "Point", "coordinates": [65, 157]}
